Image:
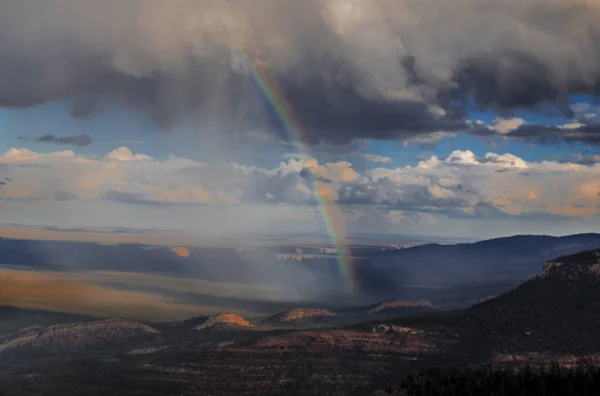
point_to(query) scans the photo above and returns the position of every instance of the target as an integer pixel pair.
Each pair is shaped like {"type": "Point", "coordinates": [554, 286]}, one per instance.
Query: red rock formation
{"type": "Point", "coordinates": [224, 319]}
{"type": "Point", "coordinates": [299, 314]}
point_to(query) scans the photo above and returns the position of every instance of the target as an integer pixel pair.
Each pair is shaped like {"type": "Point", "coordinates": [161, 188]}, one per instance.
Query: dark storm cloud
{"type": "Point", "coordinates": [512, 80]}
{"type": "Point", "coordinates": [586, 134]}
{"type": "Point", "coordinates": [82, 109]}
{"type": "Point", "coordinates": [378, 69]}
{"type": "Point", "coordinates": [547, 134]}
{"type": "Point", "coordinates": [77, 140]}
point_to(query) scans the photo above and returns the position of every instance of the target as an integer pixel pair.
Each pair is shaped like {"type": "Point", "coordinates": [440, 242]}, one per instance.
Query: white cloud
{"type": "Point", "coordinates": [506, 125]}
{"type": "Point", "coordinates": [24, 155]}
{"type": "Point", "coordinates": [572, 125]}
{"type": "Point", "coordinates": [466, 157]}
{"type": "Point", "coordinates": [461, 184]}
{"type": "Point", "coordinates": [438, 192]}
{"type": "Point", "coordinates": [125, 154]}
{"type": "Point", "coordinates": [506, 160]}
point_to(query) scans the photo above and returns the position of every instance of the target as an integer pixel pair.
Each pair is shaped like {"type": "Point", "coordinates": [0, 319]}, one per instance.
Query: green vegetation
{"type": "Point", "coordinates": [554, 381]}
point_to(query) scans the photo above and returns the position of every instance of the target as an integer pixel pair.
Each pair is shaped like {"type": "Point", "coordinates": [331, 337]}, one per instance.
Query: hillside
{"type": "Point", "coordinates": [550, 322]}
{"type": "Point", "coordinates": [558, 311]}
{"type": "Point", "coordinates": [554, 314]}
{"type": "Point", "coordinates": [74, 338]}
{"type": "Point", "coordinates": [14, 319]}
{"type": "Point", "coordinates": [400, 307]}
{"type": "Point", "coordinates": [300, 316]}
{"type": "Point", "coordinates": [216, 321]}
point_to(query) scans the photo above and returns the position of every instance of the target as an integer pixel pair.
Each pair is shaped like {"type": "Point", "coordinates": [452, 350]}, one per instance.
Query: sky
{"type": "Point", "coordinates": [477, 119]}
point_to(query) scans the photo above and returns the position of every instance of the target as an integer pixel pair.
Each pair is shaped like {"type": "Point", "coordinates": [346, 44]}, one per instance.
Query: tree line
{"type": "Point", "coordinates": [584, 379]}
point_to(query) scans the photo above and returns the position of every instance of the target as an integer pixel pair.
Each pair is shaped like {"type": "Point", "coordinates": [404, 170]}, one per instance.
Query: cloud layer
{"type": "Point", "coordinates": [461, 185]}
{"type": "Point", "coordinates": [349, 68]}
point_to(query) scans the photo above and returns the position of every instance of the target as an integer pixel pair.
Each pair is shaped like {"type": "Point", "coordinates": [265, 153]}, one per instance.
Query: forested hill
{"type": "Point", "coordinates": [557, 312]}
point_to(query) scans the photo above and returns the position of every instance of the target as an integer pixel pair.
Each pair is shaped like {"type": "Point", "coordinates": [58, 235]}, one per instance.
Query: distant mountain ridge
{"type": "Point", "coordinates": [382, 273]}
{"type": "Point", "coordinates": [515, 258]}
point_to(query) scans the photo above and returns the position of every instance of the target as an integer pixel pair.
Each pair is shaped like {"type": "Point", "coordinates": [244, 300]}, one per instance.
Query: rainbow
{"type": "Point", "coordinates": [331, 214]}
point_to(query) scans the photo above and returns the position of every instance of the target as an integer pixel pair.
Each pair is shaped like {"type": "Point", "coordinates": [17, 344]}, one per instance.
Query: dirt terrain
{"type": "Point", "coordinates": [300, 316]}
{"type": "Point", "coordinates": [338, 362]}
{"type": "Point", "coordinates": [394, 307]}
{"type": "Point", "coordinates": [74, 338]}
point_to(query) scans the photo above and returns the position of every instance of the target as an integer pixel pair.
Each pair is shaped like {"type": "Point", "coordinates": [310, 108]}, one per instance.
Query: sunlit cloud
{"type": "Point", "coordinates": [459, 183]}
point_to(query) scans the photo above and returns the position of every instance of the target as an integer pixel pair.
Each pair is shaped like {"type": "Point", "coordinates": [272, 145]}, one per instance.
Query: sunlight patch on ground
{"type": "Point", "coordinates": [263, 291]}
{"type": "Point", "coordinates": [70, 293]}
{"type": "Point", "coordinates": [181, 251]}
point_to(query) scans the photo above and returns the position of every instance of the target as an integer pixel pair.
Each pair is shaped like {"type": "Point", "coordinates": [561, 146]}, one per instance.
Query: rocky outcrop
{"type": "Point", "coordinates": [573, 266]}
{"type": "Point", "coordinates": [300, 315]}
{"type": "Point", "coordinates": [72, 338]}
{"type": "Point", "coordinates": [224, 319]}
{"type": "Point", "coordinates": [393, 306]}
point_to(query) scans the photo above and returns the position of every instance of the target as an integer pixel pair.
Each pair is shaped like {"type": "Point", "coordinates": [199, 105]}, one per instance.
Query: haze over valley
{"type": "Point", "coordinates": [157, 282]}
